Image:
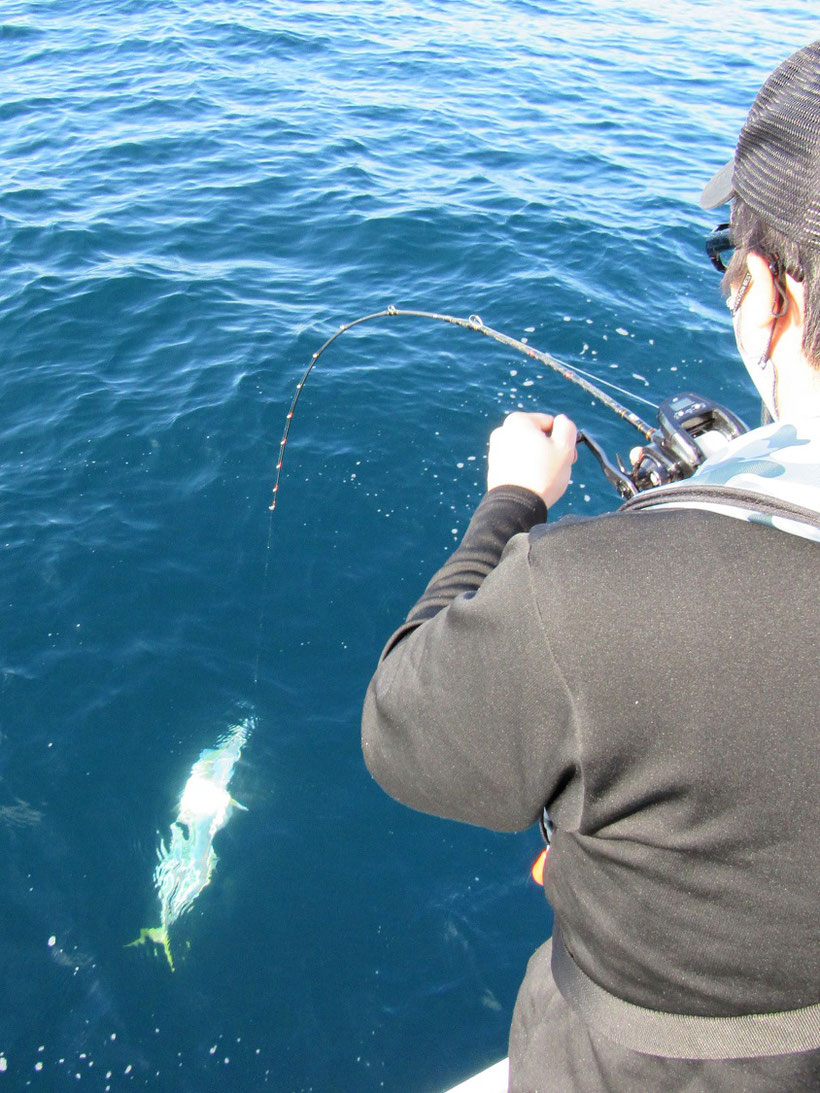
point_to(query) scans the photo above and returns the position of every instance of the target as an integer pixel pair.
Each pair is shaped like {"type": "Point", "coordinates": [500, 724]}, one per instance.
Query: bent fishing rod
{"type": "Point", "coordinates": [689, 426]}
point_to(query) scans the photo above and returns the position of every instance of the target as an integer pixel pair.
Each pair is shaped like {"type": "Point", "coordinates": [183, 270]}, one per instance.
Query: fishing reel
{"type": "Point", "coordinates": [690, 428]}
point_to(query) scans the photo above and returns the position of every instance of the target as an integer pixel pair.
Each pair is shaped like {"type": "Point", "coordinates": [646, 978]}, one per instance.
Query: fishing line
{"type": "Point", "coordinates": [614, 387]}
{"type": "Point", "coordinates": [474, 322]}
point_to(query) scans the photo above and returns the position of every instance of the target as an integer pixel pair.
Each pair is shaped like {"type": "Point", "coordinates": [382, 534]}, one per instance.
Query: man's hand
{"type": "Point", "coordinates": [535, 451]}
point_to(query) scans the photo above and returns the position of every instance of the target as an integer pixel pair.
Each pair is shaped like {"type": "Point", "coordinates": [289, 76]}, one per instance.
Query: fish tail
{"type": "Point", "coordinates": [159, 936]}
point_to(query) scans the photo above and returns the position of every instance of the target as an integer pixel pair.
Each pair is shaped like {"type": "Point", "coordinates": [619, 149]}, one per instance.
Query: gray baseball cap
{"type": "Point", "coordinates": [776, 165]}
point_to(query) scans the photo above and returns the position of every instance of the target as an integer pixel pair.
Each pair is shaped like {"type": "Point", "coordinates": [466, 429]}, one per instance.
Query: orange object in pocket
{"type": "Point", "coordinates": [537, 871]}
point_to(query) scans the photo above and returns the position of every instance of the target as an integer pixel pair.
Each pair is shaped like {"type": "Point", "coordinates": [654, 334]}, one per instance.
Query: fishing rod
{"type": "Point", "coordinates": [689, 426]}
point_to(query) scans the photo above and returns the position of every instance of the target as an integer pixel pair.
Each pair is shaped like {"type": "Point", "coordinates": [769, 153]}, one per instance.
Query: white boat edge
{"type": "Point", "coordinates": [495, 1079]}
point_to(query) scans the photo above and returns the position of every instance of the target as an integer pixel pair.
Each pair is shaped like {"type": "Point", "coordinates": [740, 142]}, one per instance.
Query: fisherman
{"type": "Point", "coordinates": [646, 683]}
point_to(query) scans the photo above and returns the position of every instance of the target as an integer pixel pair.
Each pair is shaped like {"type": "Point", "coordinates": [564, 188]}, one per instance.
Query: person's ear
{"type": "Point", "coordinates": [764, 297]}
{"type": "Point", "coordinates": [796, 293]}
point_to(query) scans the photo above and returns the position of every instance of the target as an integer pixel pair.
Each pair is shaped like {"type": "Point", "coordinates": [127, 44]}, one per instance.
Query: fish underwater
{"type": "Point", "coordinates": [185, 866]}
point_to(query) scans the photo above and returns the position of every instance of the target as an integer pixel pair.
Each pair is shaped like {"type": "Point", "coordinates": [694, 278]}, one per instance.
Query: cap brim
{"type": "Point", "coordinates": [720, 189]}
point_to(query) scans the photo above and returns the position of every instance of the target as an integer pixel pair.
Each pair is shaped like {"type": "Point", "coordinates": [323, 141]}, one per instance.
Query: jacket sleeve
{"type": "Point", "coordinates": [466, 715]}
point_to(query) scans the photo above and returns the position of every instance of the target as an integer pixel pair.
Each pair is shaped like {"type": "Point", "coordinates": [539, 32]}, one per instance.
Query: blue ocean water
{"type": "Point", "coordinates": [194, 194]}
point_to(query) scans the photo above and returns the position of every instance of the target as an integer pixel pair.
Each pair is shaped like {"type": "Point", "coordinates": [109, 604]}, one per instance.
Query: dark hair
{"type": "Point", "coordinates": [750, 232]}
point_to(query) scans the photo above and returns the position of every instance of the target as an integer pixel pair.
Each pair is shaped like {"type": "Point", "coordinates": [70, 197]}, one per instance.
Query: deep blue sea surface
{"type": "Point", "coordinates": [193, 196]}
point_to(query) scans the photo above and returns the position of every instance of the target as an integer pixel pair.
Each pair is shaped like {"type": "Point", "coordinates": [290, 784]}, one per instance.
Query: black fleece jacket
{"type": "Point", "coordinates": [650, 678]}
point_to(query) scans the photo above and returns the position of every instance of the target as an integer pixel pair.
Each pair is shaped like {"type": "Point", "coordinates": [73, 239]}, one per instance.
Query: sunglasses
{"type": "Point", "coordinates": [719, 247]}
